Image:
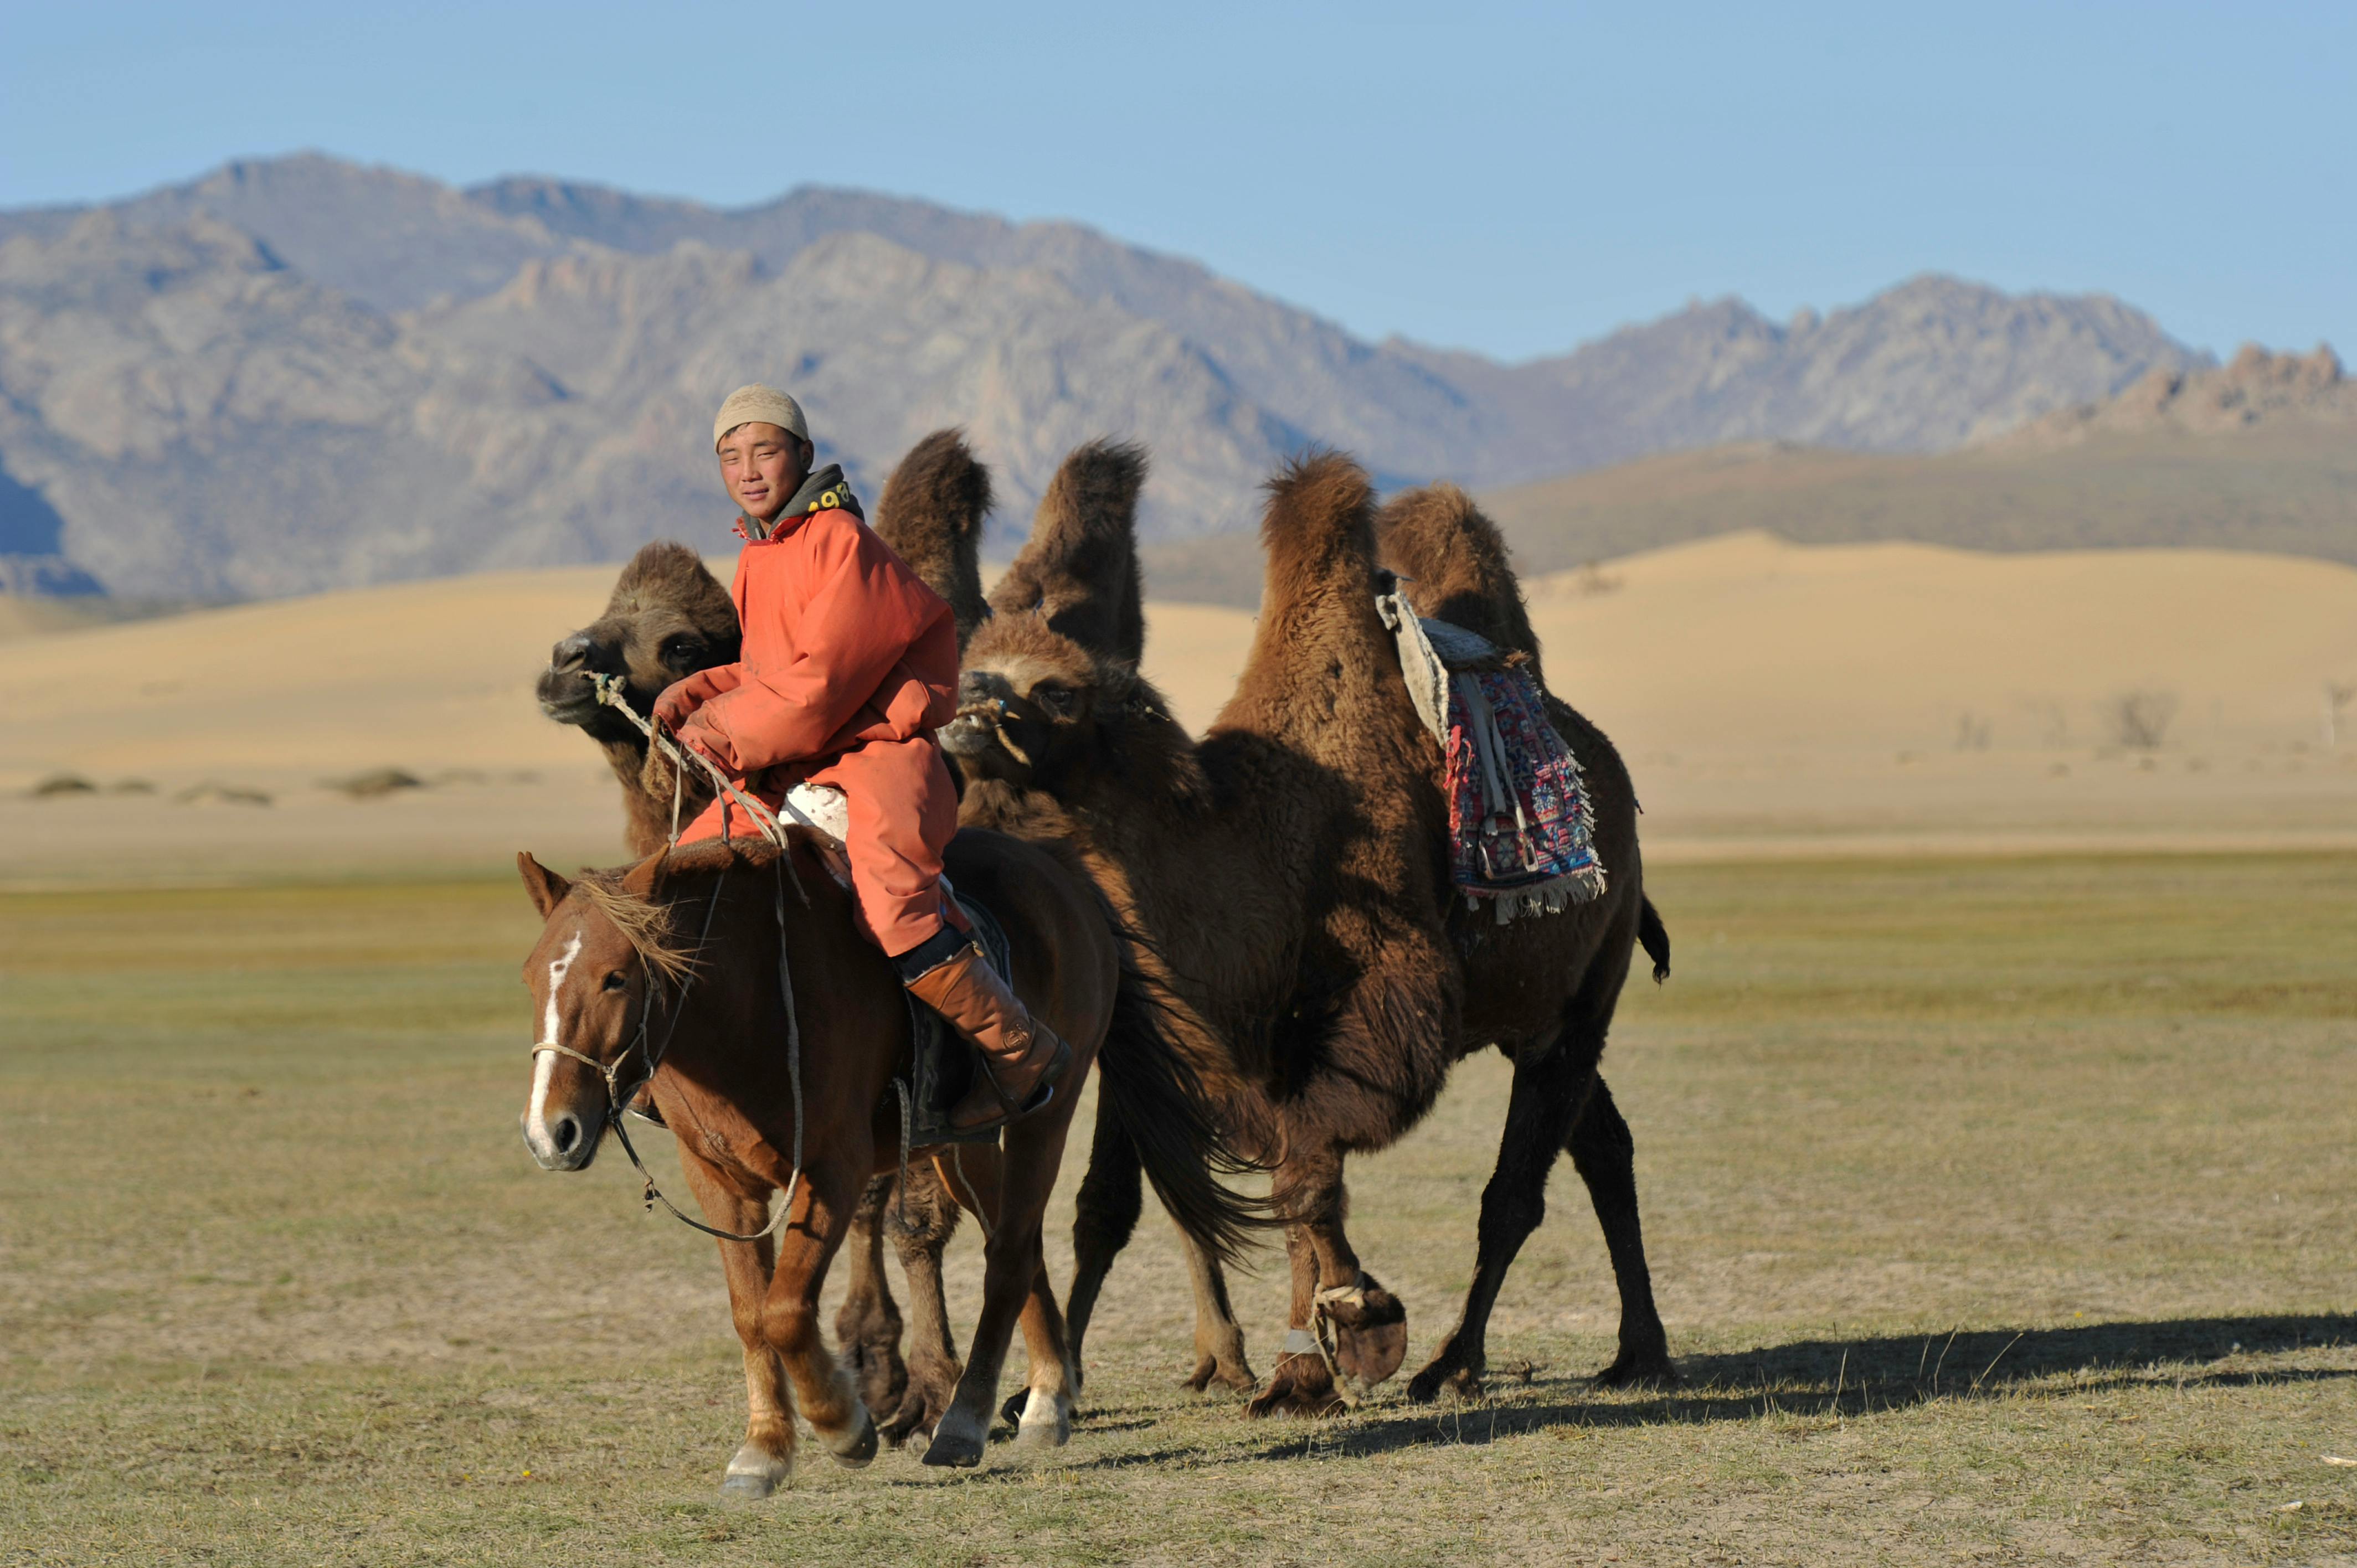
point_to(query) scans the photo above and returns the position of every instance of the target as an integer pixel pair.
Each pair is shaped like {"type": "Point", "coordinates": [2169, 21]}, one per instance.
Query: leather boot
{"type": "Point", "coordinates": [1021, 1058]}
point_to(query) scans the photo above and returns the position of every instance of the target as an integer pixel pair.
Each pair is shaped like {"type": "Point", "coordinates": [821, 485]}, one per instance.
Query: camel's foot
{"type": "Point", "coordinates": [1647, 1368]}
{"type": "Point", "coordinates": [1369, 1328]}
{"type": "Point", "coordinates": [1300, 1386]}
{"type": "Point", "coordinates": [1231, 1370]}
{"type": "Point", "coordinates": [923, 1402]}
{"type": "Point", "coordinates": [756, 1471]}
{"type": "Point", "coordinates": [1455, 1370]}
{"type": "Point", "coordinates": [869, 1333]}
{"type": "Point", "coordinates": [855, 1448]}
{"type": "Point", "coordinates": [958, 1440]}
{"type": "Point", "coordinates": [1046, 1421]}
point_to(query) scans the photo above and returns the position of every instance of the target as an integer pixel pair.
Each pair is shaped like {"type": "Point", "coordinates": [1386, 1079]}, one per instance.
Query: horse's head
{"type": "Point", "coordinates": [668, 617]}
{"type": "Point", "coordinates": [590, 979]}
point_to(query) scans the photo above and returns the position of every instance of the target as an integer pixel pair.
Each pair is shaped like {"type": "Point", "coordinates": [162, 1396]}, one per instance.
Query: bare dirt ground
{"type": "Point", "coordinates": [2000, 1209]}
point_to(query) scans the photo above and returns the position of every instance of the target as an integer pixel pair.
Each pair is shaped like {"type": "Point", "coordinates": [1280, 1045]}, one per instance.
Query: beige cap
{"type": "Point", "coordinates": [767, 404]}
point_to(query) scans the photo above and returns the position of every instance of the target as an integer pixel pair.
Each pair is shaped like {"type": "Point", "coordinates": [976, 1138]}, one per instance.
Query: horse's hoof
{"type": "Point", "coordinates": [1651, 1370]}
{"type": "Point", "coordinates": [957, 1442]}
{"type": "Point", "coordinates": [755, 1474]}
{"type": "Point", "coordinates": [1047, 1421]}
{"type": "Point", "coordinates": [1011, 1412]}
{"type": "Point", "coordinates": [857, 1448]}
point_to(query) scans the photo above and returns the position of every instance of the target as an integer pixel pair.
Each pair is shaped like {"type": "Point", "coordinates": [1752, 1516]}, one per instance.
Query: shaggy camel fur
{"type": "Point", "coordinates": [1079, 569]}
{"type": "Point", "coordinates": [668, 617]}
{"type": "Point", "coordinates": [1282, 872]}
{"type": "Point", "coordinates": [1579, 957]}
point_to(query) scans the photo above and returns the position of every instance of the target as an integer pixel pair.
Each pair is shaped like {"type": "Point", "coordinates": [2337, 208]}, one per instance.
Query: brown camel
{"type": "Point", "coordinates": [668, 617]}
{"type": "Point", "coordinates": [1287, 870]}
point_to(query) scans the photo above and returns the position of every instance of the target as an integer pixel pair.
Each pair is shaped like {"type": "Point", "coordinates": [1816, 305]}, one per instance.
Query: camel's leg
{"type": "Point", "coordinates": [823, 1385]}
{"type": "Point", "coordinates": [1219, 1338]}
{"type": "Point", "coordinates": [1308, 1190]}
{"type": "Point", "coordinates": [867, 1326]}
{"type": "Point", "coordinates": [1104, 1217]}
{"type": "Point", "coordinates": [932, 1218]}
{"type": "Point", "coordinates": [1014, 1263]}
{"type": "Point", "coordinates": [767, 1456]}
{"type": "Point", "coordinates": [1551, 1079]}
{"type": "Point", "coordinates": [1605, 1156]}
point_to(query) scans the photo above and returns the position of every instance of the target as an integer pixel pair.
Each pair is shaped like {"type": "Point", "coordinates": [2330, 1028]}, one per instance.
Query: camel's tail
{"type": "Point", "coordinates": [1655, 938]}
{"type": "Point", "coordinates": [1159, 1100]}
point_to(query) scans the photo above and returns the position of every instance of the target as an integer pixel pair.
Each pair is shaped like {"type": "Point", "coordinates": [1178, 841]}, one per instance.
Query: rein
{"type": "Point", "coordinates": [609, 692]}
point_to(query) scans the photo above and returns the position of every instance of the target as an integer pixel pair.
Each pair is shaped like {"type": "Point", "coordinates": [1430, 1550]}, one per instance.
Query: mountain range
{"type": "Point", "coordinates": [301, 372]}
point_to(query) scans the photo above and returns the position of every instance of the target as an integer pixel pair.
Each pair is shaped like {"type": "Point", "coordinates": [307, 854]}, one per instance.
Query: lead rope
{"type": "Point", "coordinates": [609, 692]}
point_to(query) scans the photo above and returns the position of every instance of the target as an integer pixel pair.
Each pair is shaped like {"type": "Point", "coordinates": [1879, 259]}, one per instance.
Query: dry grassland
{"type": "Point", "coordinates": [2000, 1210]}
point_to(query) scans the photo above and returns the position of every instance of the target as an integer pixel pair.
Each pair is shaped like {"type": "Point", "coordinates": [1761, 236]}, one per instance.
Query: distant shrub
{"type": "Point", "coordinates": [2139, 720]}
{"type": "Point", "coordinates": [63, 784]}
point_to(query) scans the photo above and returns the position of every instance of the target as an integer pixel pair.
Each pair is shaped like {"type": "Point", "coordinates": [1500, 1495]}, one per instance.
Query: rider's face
{"type": "Point", "coordinates": [763, 465]}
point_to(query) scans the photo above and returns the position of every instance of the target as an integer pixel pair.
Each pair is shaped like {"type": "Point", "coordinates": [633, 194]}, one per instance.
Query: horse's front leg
{"type": "Point", "coordinates": [829, 1400]}
{"type": "Point", "coordinates": [867, 1324]}
{"type": "Point", "coordinates": [767, 1456]}
{"type": "Point", "coordinates": [1014, 1269]}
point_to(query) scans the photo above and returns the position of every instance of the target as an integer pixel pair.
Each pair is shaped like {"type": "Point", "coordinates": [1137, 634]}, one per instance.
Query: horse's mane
{"type": "Point", "coordinates": [645, 916]}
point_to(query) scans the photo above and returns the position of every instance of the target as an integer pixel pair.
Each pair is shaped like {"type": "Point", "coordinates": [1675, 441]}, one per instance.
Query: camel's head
{"type": "Point", "coordinates": [667, 618]}
{"type": "Point", "coordinates": [1034, 707]}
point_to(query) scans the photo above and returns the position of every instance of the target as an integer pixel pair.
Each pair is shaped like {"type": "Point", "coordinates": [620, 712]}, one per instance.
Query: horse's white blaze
{"type": "Point", "coordinates": [544, 1064]}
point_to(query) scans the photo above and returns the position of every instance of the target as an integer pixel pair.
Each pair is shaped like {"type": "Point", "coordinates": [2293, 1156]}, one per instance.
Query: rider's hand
{"type": "Point", "coordinates": [710, 743]}
{"type": "Point", "coordinates": [675, 703]}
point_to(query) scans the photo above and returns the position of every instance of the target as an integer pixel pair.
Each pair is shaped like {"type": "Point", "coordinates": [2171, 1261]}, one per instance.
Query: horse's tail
{"type": "Point", "coordinates": [1655, 938]}
{"type": "Point", "coordinates": [1154, 1094]}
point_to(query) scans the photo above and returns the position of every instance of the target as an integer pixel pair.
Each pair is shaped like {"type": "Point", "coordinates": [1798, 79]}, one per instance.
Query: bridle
{"type": "Point", "coordinates": [652, 1052]}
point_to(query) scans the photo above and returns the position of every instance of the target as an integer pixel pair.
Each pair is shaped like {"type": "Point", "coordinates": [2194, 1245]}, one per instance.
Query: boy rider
{"type": "Point", "coordinates": [850, 663]}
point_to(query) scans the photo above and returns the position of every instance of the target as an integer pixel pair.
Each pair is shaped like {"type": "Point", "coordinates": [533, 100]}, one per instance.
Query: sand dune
{"type": "Point", "coordinates": [1771, 697]}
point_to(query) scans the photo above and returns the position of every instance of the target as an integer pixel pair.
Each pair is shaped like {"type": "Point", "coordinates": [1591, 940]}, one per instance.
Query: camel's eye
{"type": "Point", "coordinates": [682, 652]}
{"type": "Point", "coordinates": [618, 980]}
{"type": "Point", "coordinates": [1056, 701]}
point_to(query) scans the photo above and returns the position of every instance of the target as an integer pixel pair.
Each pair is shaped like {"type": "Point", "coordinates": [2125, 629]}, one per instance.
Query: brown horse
{"type": "Point", "coordinates": [668, 617]}
{"type": "Point", "coordinates": [729, 977]}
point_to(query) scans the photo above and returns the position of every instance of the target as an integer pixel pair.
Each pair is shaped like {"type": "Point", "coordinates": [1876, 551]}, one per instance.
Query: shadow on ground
{"type": "Point", "coordinates": [1825, 1378]}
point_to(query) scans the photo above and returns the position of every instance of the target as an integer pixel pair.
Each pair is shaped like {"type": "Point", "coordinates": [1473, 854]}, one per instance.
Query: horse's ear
{"type": "Point", "coordinates": [547, 889]}
{"type": "Point", "coordinates": [645, 875]}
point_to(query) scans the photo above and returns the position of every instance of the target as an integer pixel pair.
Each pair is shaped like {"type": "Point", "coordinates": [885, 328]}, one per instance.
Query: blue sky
{"type": "Point", "coordinates": [1510, 178]}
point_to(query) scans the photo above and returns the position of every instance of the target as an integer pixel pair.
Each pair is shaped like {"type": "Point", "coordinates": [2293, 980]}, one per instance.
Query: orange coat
{"type": "Point", "coordinates": [850, 664]}
{"type": "Point", "coordinates": [842, 645]}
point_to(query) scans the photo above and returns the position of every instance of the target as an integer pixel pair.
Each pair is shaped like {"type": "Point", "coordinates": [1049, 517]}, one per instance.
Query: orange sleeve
{"type": "Point", "coordinates": [855, 608]}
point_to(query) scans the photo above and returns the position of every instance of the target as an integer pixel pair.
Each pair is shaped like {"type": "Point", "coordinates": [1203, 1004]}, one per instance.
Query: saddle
{"type": "Point", "coordinates": [941, 1062]}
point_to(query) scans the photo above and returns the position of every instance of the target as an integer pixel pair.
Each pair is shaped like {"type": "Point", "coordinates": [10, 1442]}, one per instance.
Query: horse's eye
{"type": "Point", "coordinates": [1056, 701]}
{"type": "Point", "coordinates": [618, 980]}
{"type": "Point", "coordinates": [681, 651]}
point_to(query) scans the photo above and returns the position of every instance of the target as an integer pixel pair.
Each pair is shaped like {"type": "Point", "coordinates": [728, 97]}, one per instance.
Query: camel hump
{"type": "Point", "coordinates": [1078, 571]}
{"type": "Point", "coordinates": [1320, 524]}
{"type": "Point", "coordinates": [932, 516]}
{"type": "Point", "coordinates": [1455, 564]}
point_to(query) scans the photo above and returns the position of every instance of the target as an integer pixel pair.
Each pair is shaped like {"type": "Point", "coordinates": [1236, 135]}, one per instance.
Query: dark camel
{"type": "Point", "coordinates": [675, 977]}
{"type": "Point", "coordinates": [1286, 873]}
